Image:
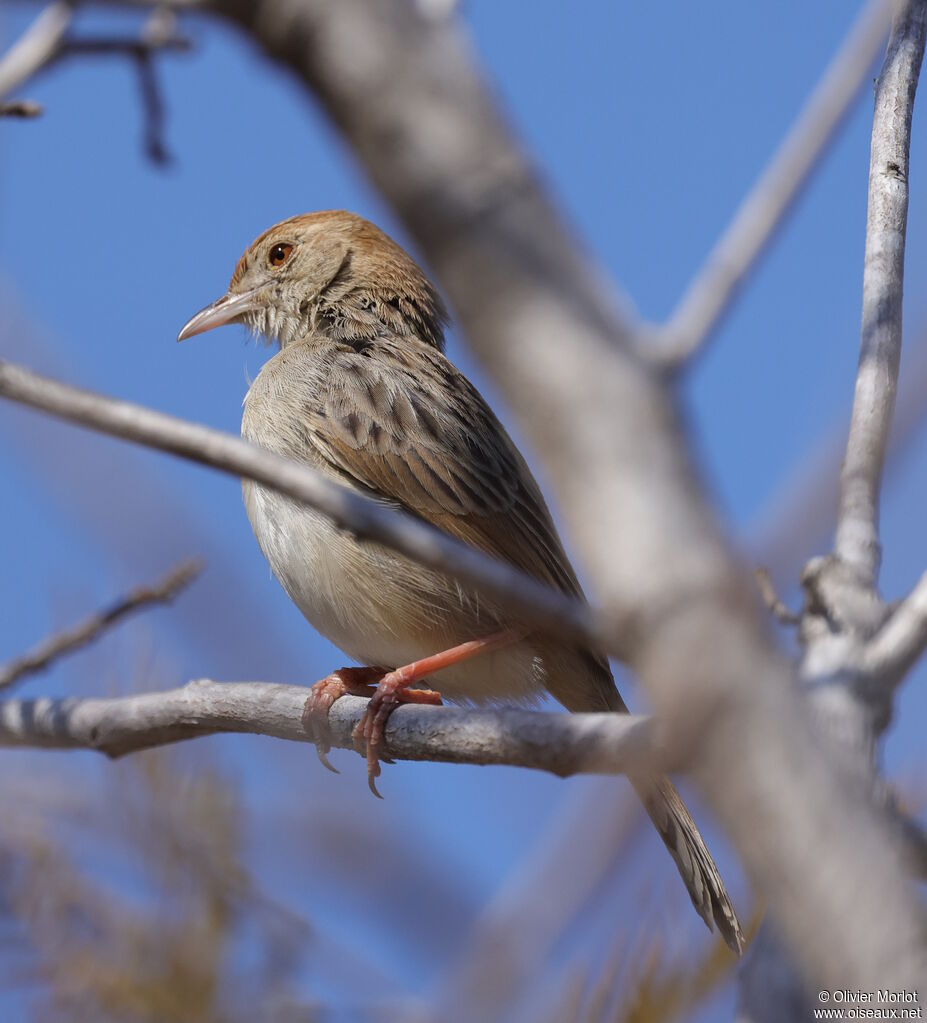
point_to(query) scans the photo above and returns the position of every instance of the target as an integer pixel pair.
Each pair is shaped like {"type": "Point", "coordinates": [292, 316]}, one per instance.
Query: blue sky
{"type": "Point", "coordinates": [649, 123]}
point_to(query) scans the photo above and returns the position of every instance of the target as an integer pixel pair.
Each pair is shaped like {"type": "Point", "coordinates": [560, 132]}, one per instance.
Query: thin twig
{"type": "Point", "coordinates": [857, 540]}
{"type": "Point", "coordinates": [22, 108]}
{"type": "Point", "coordinates": [772, 600]}
{"type": "Point", "coordinates": [158, 36]}
{"type": "Point", "coordinates": [70, 640]}
{"type": "Point", "coordinates": [762, 213]}
{"type": "Point", "coordinates": [365, 518]}
{"type": "Point", "coordinates": [47, 42]}
{"type": "Point", "coordinates": [563, 744]}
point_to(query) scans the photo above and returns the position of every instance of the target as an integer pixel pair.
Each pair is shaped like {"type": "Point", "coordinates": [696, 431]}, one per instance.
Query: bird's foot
{"type": "Point", "coordinates": [370, 732]}
{"type": "Point", "coordinates": [344, 681]}
{"type": "Point", "coordinates": [393, 688]}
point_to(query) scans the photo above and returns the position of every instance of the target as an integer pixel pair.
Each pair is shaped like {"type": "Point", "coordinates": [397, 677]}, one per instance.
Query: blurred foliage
{"type": "Point", "coordinates": [136, 904]}
{"type": "Point", "coordinates": [143, 911]}
{"type": "Point", "coordinates": [671, 988]}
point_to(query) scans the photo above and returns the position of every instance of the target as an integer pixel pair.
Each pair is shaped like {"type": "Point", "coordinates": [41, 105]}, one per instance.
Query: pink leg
{"type": "Point", "coordinates": [394, 689]}
{"type": "Point", "coordinates": [356, 682]}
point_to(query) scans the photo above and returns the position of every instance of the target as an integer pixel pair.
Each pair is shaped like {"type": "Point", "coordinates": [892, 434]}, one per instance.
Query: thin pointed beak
{"type": "Point", "coordinates": [228, 309]}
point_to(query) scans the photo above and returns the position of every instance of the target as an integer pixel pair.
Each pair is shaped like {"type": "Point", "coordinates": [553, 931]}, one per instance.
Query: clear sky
{"type": "Point", "coordinates": [649, 122]}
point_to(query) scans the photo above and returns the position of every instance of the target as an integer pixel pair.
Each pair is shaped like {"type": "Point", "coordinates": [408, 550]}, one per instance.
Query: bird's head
{"type": "Point", "coordinates": [330, 272]}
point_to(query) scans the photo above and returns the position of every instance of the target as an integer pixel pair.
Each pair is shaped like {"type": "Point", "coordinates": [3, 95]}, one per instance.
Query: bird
{"type": "Point", "coordinates": [361, 390]}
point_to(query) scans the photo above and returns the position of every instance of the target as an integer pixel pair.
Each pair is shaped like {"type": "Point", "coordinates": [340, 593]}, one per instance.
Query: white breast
{"type": "Point", "coordinates": [317, 564]}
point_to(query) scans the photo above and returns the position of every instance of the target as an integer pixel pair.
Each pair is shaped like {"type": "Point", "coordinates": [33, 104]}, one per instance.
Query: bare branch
{"type": "Point", "coordinates": [798, 521]}
{"type": "Point", "coordinates": [895, 648]}
{"type": "Point", "coordinates": [37, 47]}
{"type": "Point", "coordinates": [365, 518]}
{"type": "Point", "coordinates": [158, 36]}
{"type": "Point", "coordinates": [48, 41]}
{"type": "Point", "coordinates": [66, 642]}
{"type": "Point", "coordinates": [857, 541]}
{"type": "Point", "coordinates": [762, 213]}
{"type": "Point", "coordinates": [563, 744]}
{"type": "Point", "coordinates": [844, 620]}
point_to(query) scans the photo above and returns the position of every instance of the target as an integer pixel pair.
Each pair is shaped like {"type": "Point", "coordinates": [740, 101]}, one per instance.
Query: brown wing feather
{"type": "Point", "coordinates": [422, 437]}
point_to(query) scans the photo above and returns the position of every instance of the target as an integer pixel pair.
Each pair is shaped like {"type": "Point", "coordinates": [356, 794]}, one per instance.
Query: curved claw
{"type": "Point", "coordinates": [372, 782]}
{"type": "Point", "coordinates": [370, 732]}
{"type": "Point", "coordinates": [323, 758]}
{"type": "Point", "coordinates": [394, 688]}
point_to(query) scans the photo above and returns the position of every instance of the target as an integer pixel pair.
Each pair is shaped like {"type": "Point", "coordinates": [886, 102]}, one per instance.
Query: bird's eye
{"type": "Point", "coordinates": [279, 254]}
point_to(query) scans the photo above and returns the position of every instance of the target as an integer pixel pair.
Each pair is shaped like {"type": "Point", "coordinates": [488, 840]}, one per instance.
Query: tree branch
{"type": "Point", "coordinates": [364, 517]}
{"type": "Point", "coordinates": [762, 213]}
{"type": "Point", "coordinates": [898, 645]}
{"type": "Point", "coordinates": [843, 627]}
{"type": "Point", "coordinates": [48, 41]}
{"type": "Point", "coordinates": [69, 640]}
{"type": "Point", "coordinates": [798, 520]}
{"type": "Point", "coordinates": [37, 47]}
{"type": "Point", "coordinates": [158, 35]}
{"type": "Point", "coordinates": [563, 744]}
{"type": "Point", "coordinates": [857, 542]}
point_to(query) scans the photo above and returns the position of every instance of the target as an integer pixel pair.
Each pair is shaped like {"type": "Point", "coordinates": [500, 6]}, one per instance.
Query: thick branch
{"type": "Point", "coordinates": [560, 743]}
{"type": "Point", "coordinates": [367, 519]}
{"type": "Point", "coordinates": [760, 215]}
{"type": "Point", "coordinates": [69, 640]}
{"type": "Point", "coordinates": [857, 541]}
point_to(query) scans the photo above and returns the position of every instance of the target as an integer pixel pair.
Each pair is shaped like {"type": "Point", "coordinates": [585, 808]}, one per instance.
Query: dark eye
{"type": "Point", "coordinates": [279, 254]}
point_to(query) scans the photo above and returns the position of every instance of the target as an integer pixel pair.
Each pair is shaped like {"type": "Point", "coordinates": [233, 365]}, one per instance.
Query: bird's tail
{"type": "Point", "coordinates": [662, 803]}
{"type": "Point", "coordinates": [693, 860]}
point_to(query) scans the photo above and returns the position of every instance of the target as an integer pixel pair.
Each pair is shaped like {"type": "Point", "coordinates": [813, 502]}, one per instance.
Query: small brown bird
{"type": "Point", "coordinates": [361, 390]}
